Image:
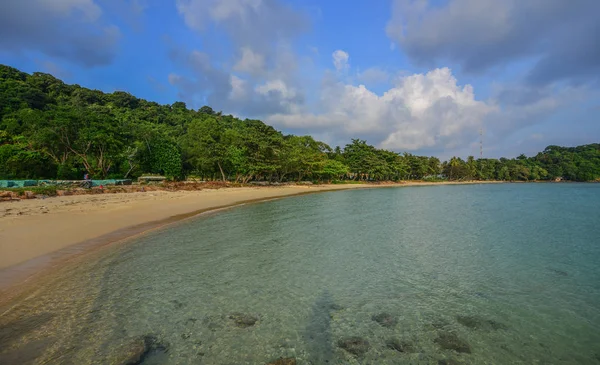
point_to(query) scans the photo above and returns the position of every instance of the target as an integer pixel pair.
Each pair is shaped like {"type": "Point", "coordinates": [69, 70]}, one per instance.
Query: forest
{"type": "Point", "coordinates": [51, 130]}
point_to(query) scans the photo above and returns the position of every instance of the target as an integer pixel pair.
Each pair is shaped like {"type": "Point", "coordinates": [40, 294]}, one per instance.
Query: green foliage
{"type": "Point", "coordinates": [19, 162]}
{"type": "Point", "coordinates": [166, 159]}
{"type": "Point", "coordinates": [49, 129]}
{"type": "Point", "coordinates": [333, 169]}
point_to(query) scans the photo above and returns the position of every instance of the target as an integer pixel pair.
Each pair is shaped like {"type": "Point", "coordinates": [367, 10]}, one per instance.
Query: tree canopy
{"type": "Point", "coordinates": [49, 129]}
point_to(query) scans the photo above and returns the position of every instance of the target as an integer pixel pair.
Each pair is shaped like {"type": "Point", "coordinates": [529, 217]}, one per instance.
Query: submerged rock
{"type": "Point", "coordinates": [283, 361]}
{"type": "Point", "coordinates": [355, 345]}
{"type": "Point", "coordinates": [401, 346]}
{"type": "Point", "coordinates": [336, 307]}
{"type": "Point", "coordinates": [448, 362]}
{"type": "Point", "coordinates": [559, 272]}
{"type": "Point", "coordinates": [177, 304]}
{"type": "Point", "coordinates": [139, 350]}
{"type": "Point", "coordinates": [130, 352]}
{"type": "Point", "coordinates": [15, 330]}
{"type": "Point", "coordinates": [243, 320]}
{"type": "Point", "coordinates": [480, 323]}
{"type": "Point", "coordinates": [439, 324]}
{"type": "Point", "coordinates": [385, 319]}
{"type": "Point", "coordinates": [450, 341]}
{"type": "Point", "coordinates": [28, 353]}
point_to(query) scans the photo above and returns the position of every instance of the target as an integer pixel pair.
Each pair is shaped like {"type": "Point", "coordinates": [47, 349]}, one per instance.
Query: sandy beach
{"type": "Point", "coordinates": [38, 233]}
{"type": "Point", "coordinates": [35, 227]}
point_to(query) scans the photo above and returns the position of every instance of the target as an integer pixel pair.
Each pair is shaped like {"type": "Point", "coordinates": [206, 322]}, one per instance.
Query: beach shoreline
{"type": "Point", "coordinates": [38, 234]}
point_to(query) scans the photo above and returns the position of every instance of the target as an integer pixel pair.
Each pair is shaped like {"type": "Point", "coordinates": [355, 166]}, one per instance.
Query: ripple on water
{"type": "Point", "coordinates": [359, 277]}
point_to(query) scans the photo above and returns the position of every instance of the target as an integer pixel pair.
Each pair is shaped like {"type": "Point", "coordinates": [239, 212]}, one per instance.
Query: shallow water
{"type": "Point", "coordinates": [509, 272]}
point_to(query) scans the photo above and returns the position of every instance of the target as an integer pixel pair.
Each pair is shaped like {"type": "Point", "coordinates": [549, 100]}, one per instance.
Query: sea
{"type": "Point", "coordinates": [446, 274]}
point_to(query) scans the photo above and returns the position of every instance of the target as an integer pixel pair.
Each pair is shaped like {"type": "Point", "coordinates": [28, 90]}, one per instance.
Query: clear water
{"type": "Point", "coordinates": [512, 270]}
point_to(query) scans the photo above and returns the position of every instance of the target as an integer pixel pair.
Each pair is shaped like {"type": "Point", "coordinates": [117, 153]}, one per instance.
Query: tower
{"type": "Point", "coordinates": [481, 142]}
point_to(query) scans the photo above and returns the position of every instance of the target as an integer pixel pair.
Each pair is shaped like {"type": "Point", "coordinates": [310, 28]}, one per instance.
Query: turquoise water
{"type": "Point", "coordinates": [475, 274]}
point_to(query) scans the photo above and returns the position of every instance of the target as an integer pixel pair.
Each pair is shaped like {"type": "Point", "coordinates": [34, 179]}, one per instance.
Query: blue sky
{"type": "Point", "coordinates": [406, 75]}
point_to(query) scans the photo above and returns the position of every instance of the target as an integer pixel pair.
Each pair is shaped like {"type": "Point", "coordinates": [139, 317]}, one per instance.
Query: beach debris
{"type": "Point", "coordinates": [400, 346]}
{"type": "Point", "coordinates": [450, 341]}
{"type": "Point", "coordinates": [385, 319]}
{"type": "Point", "coordinates": [478, 323]}
{"type": "Point", "coordinates": [357, 346]}
{"type": "Point", "coordinates": [284, 361]}
{"type": "Point", "coordinates": [243, 320]}
{"type": "Point", "coordinates": [28, 195]}
{"type": "Point", "coordinates": [9, 195]}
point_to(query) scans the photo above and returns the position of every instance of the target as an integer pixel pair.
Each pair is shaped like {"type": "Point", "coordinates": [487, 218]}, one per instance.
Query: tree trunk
{"type": "Point", "coordinates": [131, 167]}
{"type": "Point", "coordinates": [221, 169]}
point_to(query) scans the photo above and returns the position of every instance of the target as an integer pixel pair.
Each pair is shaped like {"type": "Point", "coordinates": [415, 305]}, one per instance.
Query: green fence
{"type": "Point", "coordinates": [26, 183]}
{"type": "Point", "coordinates": [17, 183]}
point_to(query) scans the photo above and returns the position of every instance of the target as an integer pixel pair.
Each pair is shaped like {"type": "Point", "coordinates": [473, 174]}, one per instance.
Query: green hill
{"type": "Point", "coordinates": [49, 129]}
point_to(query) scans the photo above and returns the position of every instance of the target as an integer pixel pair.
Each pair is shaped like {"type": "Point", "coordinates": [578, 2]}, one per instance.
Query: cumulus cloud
{"type": "Point", "coordinates": [257, 24]}
{"type": "Point", "coordinates": [340, 60]}
{"type": "Point", "coordinates": [207, 84]}
{"type": "Point", "coordinates": [561, 37]}
{"type": "Point", "coordinates": [421, 111]}
{"type": "Point", "coordinates": [69, 29]}
{"type": "Point", "coordinates": [260, 77]}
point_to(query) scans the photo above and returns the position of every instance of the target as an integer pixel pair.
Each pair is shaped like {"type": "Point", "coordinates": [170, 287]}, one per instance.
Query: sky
{"type": "Point", "coordinates": [421, 76]}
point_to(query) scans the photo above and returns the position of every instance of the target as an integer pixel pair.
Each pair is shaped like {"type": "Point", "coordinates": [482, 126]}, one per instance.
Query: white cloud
{"type": "Point", "coordinates": [276, 86]}
{"type": "Point", "coordinates": [250, 62]}
{"type": "Point", "coordinates": [257, 24]}
{"type": "Point", "coordinates": [238, 88]}
{"type": "Point", "coordinates": [260, 77]}
{"type": "Point", "coordinates": [340, 60]}
{"type": "Point", "coordinates": [422, 111]}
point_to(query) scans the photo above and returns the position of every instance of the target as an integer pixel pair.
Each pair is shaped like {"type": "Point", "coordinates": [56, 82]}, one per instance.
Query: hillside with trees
{"type": "Point", "coordinates": [52, 130]}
